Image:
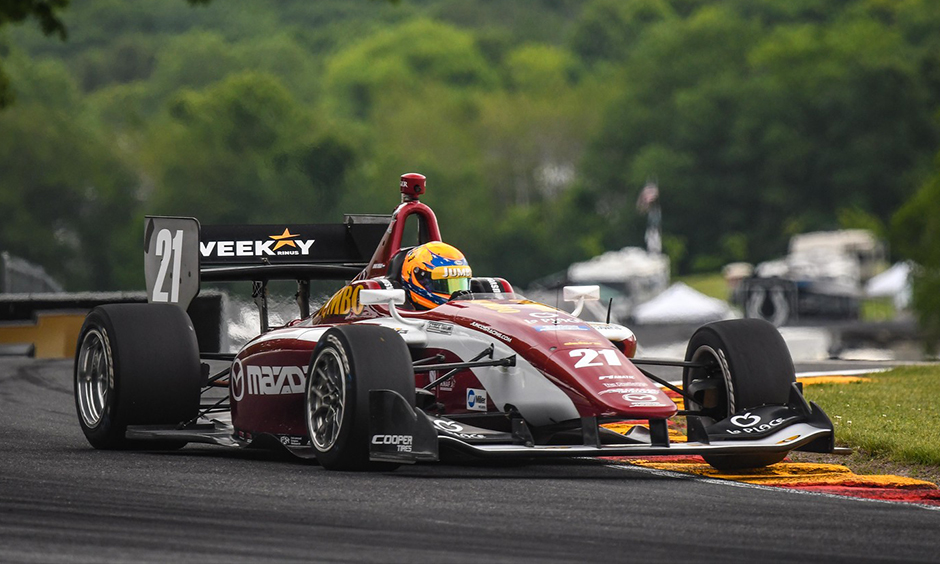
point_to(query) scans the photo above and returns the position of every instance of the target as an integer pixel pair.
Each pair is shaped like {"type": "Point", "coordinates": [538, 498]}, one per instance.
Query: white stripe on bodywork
{"type": "Point", "coordinates": [538, 400]}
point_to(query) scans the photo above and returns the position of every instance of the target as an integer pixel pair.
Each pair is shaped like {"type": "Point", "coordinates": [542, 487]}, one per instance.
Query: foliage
{"type": "Point", "coordinates": [406, 58]}
{"type": "Point", "coordinates": [537, 122]}
{"type": "Point", "coordinates": [62, 183]}
{"type": "Point", "coordinates": [916, 235]}
{"type": "Point", "coordinates": [763, 128]}
{"type": "Point", "coordinates": [15, 11]}
{"type": "Point", "coordinates": [608, 29]}
{"type": "Point", "coordinates": [243, 150]}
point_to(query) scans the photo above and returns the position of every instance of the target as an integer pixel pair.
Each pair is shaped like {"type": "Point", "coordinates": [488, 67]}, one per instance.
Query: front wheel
{"type": "Point", "coordinates": [747, 365]}
{"type": "Point", "coordinates": [350, 360]}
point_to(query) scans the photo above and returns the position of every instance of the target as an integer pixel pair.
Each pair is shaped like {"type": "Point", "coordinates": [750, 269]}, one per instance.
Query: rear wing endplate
{"type": "Point", "coordinates": [179, 253]}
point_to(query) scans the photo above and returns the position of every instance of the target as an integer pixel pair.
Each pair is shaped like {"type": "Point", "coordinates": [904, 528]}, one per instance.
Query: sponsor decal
{"type": "Point", "coordinates": [649, 404]}
{"type": "Point", "coordinates": [476, 399]}
{"type": "Point", "coordinates": [285, 244]}
{"type": "Point", "coordinates": [448, 426]}
{"type": "Point", "coordinates": [491, 331]}
{"type": "Point", "coordinates": [752, 424]}
{"type": "Point", "coordinates": [454, 429]}
{"type": "Point", "coordinates": [497, 307]}
{"type": "Point", "coordinates": [266, 380]}
{"type": "Point", "coordinates": [403, 442]}
{"type": "Point", "coordinates": [494, 285]}
{"type": "Point", "coordinates": [591, 357]}
{"type": "Point", "coordinates": [617, 377]}
{"type": "Point", "coordinates": [583, 343]}
{"type": "Point", "coordinates": [550, 315]}
{"type": "Point", "coordinates": [452, 272]}
{"type": "Point", "coordinates": [629, 391]}
{"type": "Point", "coordinates": [746, 420]}
{"type": "Point", "coordinates": [541, 328]}
{"type": "Point", "coordinates": [343, 301]}
{"type": "Point", "coordinates": [291, 440]}
{"type": "Point", "coordinates": [447, 385]}
{"type": "Point", "coordinates": [439, 327]}
{"type": "Point", "coordinates": [640, 397]}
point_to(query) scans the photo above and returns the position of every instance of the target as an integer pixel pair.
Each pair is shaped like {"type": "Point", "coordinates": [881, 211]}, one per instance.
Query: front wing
{"type": "Point", "coordinates": [400, 433]}
{"type": "Point", "coordinates": [800, 426]}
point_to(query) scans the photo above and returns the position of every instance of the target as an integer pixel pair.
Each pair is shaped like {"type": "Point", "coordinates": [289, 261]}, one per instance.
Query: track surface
{"type": "Point", "coordinates": [61, 501]}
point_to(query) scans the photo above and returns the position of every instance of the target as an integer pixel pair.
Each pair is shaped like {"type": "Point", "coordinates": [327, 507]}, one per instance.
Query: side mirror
{"type": "Point", "coordinates": [581, 294]}
{"type": "Point", "coordinates": [391, 298]}
{"type": "Point", "coordinates": [381, 297]}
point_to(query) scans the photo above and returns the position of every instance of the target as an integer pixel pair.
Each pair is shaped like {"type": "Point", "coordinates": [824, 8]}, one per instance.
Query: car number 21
{"type": "Point", "coordinates": [592, 357]}
{"type": "Point", "coordinates": [170, 250]}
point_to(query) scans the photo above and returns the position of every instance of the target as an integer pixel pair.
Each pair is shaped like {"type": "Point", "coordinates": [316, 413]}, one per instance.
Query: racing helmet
{"type": "Point", "coordinates": [432, 272]}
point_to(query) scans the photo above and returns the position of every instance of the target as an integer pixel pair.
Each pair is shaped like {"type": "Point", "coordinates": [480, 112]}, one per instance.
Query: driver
{"type": "Point", "coordinates": [432, 272]}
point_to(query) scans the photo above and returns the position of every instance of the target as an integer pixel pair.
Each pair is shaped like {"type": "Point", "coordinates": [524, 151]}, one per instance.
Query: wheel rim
{"type": "Point", "coordinates": [93, 380]}
{"type": "Point", "coordinates": [716, 368]}
{"type": "Point", "coordinates": [326, 398]}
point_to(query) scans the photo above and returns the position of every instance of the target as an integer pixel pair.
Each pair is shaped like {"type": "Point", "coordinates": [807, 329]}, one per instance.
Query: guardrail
{"type": "Point", "coordinates": [46, 325]}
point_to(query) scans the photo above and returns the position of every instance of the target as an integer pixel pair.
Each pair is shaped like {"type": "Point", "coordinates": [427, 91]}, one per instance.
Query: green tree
{"type": "Point", "coordinates": [606, 30]}
{"type": "Point", "coordinates": [915, 235]}
{"type": "Point", "coordinates": [242, 150]}
{"type": "Point", "coordinates": [46, 12]}
{"type": "Point", "coordinates": [67, 202]}
{"type": "Point", "coordinates": [765, 121]}
{"type": "Point", "coordinates": [406, 58]}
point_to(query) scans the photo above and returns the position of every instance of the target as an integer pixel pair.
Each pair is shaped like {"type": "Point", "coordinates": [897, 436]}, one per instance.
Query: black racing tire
{"type": "Point", "coordinates": [748, 365]}
{"type": "Point", "coordinates": [350, 360]}
{"type": "Point", "coordinates": [135, 364]}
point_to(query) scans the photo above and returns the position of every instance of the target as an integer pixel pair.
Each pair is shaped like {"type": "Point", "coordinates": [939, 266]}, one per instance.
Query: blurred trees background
{"type": "Point", "coordinates": [537, 122]}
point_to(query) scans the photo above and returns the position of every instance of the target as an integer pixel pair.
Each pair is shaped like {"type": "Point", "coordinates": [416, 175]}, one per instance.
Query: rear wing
{"type": "Point", "coordinates": [179, 254]}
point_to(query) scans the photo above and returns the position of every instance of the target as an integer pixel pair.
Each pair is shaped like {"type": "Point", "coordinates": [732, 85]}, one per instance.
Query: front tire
{"type": "Point", "coordinates": [748, 365]}
{"type": "Point", "coordinates": [135, 364]}
{"type": "Point", "coordinates": [350, 360]}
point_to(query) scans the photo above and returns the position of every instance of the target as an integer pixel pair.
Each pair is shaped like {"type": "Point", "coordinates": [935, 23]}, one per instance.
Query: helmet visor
{"type": "Point", "coordinates": [448, 286]}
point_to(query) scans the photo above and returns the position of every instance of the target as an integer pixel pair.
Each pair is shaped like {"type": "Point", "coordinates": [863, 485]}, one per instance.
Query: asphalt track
{"type": "Point", "coordinates": [62, 501]}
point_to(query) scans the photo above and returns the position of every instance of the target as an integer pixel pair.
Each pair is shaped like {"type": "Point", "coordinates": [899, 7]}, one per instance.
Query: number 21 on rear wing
{"type": "Point", "coordinates": [171, 259]}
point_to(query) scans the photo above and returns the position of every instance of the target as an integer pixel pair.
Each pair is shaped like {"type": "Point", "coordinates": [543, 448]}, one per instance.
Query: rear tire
{"type": "Point", "coordinates": [135, 364]}
{"type": "Point", "coordinates": [350, 360]}
{"type": "Point", "coordinates": [748, 365]}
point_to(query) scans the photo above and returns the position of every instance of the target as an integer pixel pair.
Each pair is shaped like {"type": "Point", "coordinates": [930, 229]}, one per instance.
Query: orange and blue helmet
{"type": "Point", "coordinates": [432, 272]}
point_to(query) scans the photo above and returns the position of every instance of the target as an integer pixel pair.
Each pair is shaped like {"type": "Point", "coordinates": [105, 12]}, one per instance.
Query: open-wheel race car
{"type": "Point", "coordinates": [377, 377]}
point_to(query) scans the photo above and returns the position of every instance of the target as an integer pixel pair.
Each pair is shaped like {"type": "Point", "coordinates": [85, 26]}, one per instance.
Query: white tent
{"type": "Point", "coordinates": [620, 266]}
{"type": "Point", "coordinates": [894, 283]}
{"type": "Point", "coordinates": [681, 304]}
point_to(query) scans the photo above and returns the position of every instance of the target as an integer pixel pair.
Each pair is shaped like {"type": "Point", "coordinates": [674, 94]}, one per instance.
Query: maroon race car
{"type": "Point", "coordinates": [370, 381]}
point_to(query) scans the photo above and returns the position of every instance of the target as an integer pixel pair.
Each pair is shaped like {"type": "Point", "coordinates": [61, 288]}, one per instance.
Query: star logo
{"type": "Point", "coordinates": [284, 239]}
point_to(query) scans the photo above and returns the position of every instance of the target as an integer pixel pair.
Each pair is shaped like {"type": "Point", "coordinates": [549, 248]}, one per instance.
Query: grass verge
{"type": "Point", "coordinates": [893, 421]}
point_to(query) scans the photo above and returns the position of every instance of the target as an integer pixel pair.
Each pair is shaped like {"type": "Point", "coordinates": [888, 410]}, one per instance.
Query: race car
{"type": "Point", "coordinates": [372, 380]}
